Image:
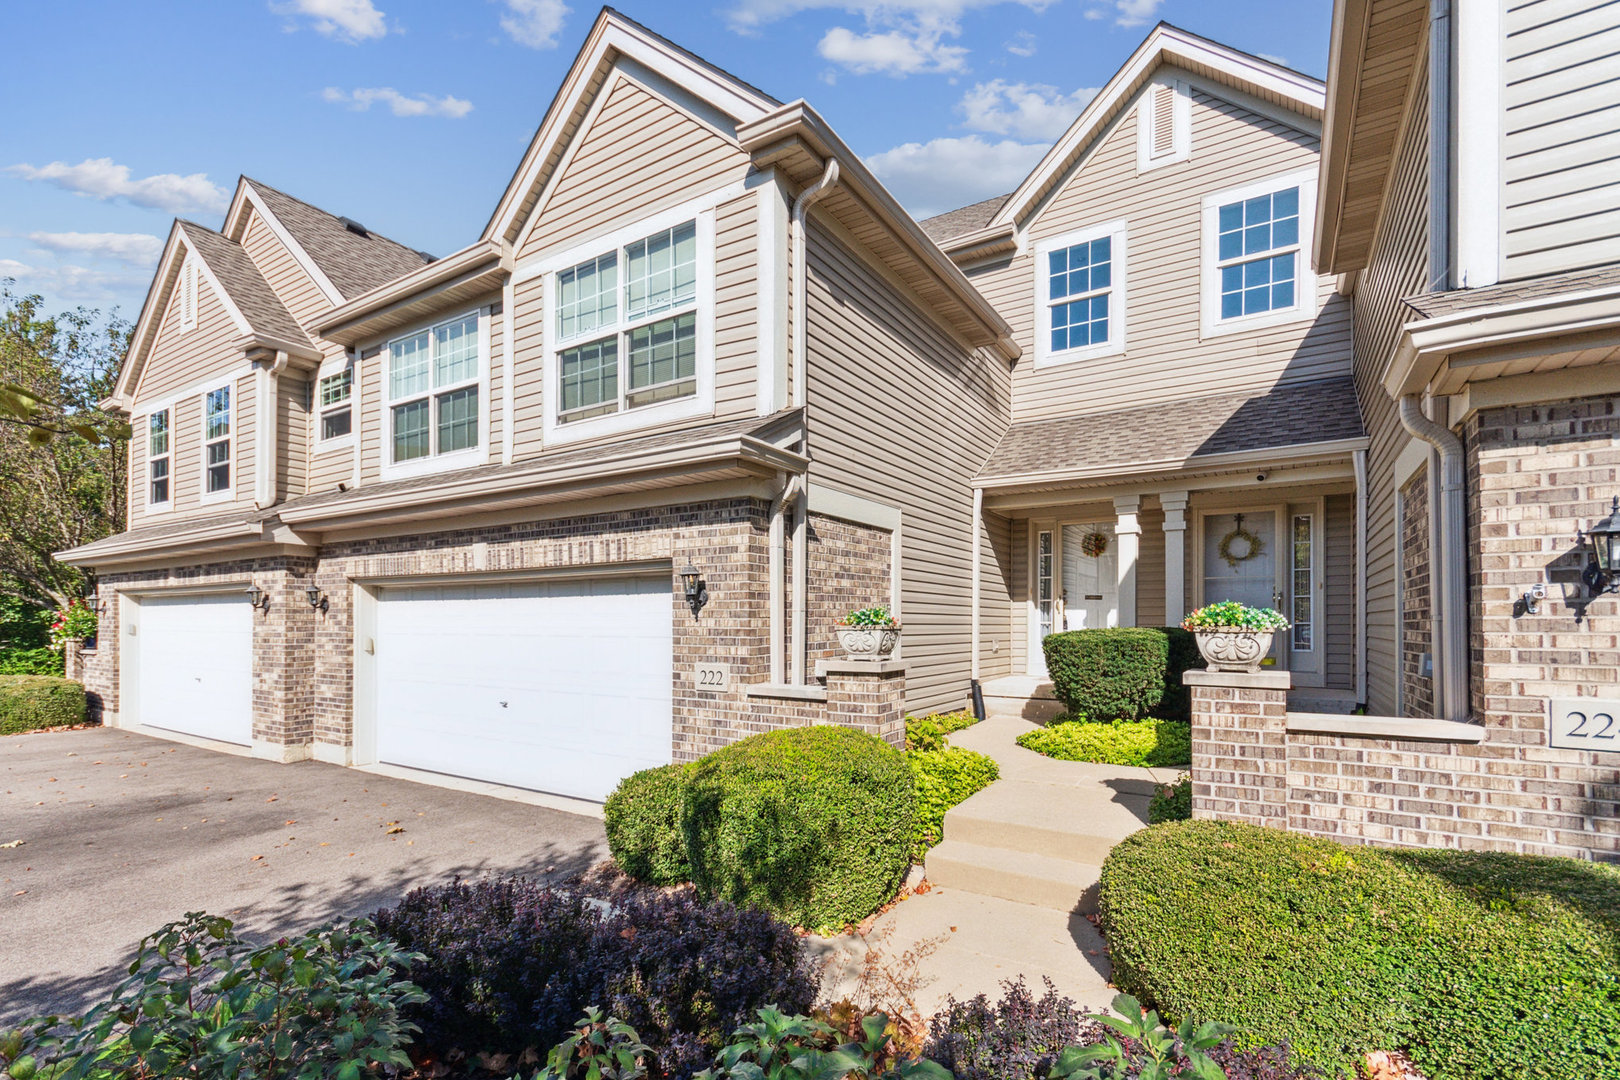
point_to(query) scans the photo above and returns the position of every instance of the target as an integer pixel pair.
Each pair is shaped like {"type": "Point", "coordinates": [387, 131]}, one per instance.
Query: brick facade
{"type": "Point", "coordinates": [303, 662]}
{"type": "Point", "coordinates": [1239, 746]}
{"type": "Point", "coordinates": [1417, 624]}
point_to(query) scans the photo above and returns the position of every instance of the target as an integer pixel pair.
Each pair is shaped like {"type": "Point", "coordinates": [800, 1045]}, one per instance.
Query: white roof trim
{"type": "Point", "coordinates": [247, 195]}
{"type": "Point", "coordinates": [1165, 44]}
{"type": "Point", "coordinates": [612, 34]}
{"type": "Point", "coordinates": [151, 315]}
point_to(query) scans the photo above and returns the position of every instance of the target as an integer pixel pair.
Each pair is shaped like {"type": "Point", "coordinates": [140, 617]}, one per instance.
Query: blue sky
{"type": "Point", "coordinates": [410, 115]}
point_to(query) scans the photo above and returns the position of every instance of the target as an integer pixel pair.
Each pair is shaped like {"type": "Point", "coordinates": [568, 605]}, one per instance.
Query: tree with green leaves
{"type": "Point", "coordinates": [61, 458]}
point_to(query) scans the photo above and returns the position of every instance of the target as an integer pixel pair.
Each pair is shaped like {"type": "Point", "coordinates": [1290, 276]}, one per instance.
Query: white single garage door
{"type": "Point", "coordinates": [195, 656]}
{"type": "Point", "coordinates": [560, 686]}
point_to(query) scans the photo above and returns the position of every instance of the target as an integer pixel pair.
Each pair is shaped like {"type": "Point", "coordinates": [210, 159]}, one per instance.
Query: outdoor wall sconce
{"type": "Point", "coordinates": [1603, 542]}
{"type": "Point", "coordinates": [317, 599]}
{"type": "Point", "coordinates": [257, 597]}
{"type": "Point", "coordinates": [697, 592]}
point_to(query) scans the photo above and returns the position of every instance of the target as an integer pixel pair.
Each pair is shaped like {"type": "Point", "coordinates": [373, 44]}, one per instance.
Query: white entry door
{"type": "Point", "coordinates": [560, 686]}
{"type": "Point", "coordinates": [194, 656]}
{"type": "Point", "coordinates": [1090, 577]}
{"type": "Point", "coordinates": [1241, 561]}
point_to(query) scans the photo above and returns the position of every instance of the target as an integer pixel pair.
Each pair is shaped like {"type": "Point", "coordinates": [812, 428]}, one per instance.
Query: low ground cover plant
{"type": "Point", "coordinates": [813, 824]}
{"type": "Point", "coordinates": [199, 1001]}
{"type": "Point", "coordinates": [1171, 802]}
{"type": "Point", "coordinates": [1477, 965]}
{"type": "Point", "coordinates": [1151, 743]}
{"type": "Point", "coordinates": [29, 702]}
{"type": "Point", "coordinates": [942, 774]}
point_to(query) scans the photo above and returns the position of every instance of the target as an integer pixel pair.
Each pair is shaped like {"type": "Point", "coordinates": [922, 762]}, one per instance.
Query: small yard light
{"type": "Point", "coordinates": [257, 598]}
{"type": "Point", "coordinates": [697, 593]}
{"type": "Point", "coordinates": [317, 599]}
{"type": "Point", "coordinates": [1603, 540]}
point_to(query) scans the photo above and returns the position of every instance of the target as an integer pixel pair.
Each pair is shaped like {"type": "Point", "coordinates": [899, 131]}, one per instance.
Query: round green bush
{"type": "Point", "coordinates": [1478, 965]}
{"type": "Point", "coordinates": [1108, 673]}
{"type": "Point", "coordinates": [813, 824]}
{"type": "Point", "coordinates": [643, 821]}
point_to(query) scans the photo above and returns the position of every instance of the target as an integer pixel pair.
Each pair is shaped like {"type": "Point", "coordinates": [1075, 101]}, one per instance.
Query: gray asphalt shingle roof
{"type": "Point", "coordinates": [966, 219]}
{"type": "Point", "coordinates": [240, 278]}
{"type": "Point", "coordinates": [1180, 430]}
{"type": "Point", "coordinates": [353, 263]}
{"type": "Point", "coordinates": [1434, 305]}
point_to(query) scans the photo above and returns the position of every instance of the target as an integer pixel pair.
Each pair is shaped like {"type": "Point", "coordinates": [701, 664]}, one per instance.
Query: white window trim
{"type": "Point", "coordinates": [699, 404]}
{"type": "Point", "coordinates": [1118, 297]}
{"type": "Point", "coordinates": [456, 459]}
{"type": "Point", "coordinates": [332, 366]}
{"type": "Point", "coordinates": [145, 427]}
{"type": "Point", "coordinates": [1305, 286]}
{"type": "Point", "coordinates": [227, 493]}
{"type": "Point", "coordinates": [1180, 122]}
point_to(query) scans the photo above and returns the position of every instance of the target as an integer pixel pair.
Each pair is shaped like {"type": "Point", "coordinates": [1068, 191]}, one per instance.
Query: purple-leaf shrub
{"type": "Point", "coordinates": [1013, 1039]}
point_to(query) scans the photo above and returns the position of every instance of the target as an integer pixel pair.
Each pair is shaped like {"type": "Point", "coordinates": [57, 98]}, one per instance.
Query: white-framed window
{"type": "Point", "coordinates": [1080, 295]}
{"type": "Point", "coordinates": [1302, 582]}
{"type": "Point", "coordinates": [334, 405]}
{"type": "Point", "coordinates": [1257, 254]}
{"type": "Point", "coordinates": [437, 397]}
{"type": "Point", "coordinates": [188, 294]}
{"type": "Point", "coordinates": [217, 440]}
{"type": "Point", "coordinates": [630, 321]}
{"type": "Point", "coordinates": [1163, 125]}
{"type": "Point", "coordinates": [158, 456]}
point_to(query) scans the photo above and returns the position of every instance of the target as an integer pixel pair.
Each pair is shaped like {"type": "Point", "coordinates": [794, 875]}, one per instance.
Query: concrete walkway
{"type": "Point", "coordinates": [1013, 880]}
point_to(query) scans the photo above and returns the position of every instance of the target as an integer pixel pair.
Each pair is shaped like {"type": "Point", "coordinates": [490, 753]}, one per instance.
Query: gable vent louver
{"type": "Point", "coordinates": [1164, 119]}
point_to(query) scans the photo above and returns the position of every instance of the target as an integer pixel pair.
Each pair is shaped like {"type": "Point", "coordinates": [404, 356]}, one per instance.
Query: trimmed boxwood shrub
{"type": "Point", "coordinates": [643, 821]}
{"type": "Point", "coordinates": [1108, 673]}
{"type": "Point", "coordinates": [1181, 656]}
{"type": "Point", "coordinates": [943, 778]}
{"type": "Point", "coordinates": [1171, 802]}
{"type": "Point", "coordinates": [1154, 743]}
{"type": "Point", "coordinates": [811, 823]}
{"type": "Point", "coordinates": [29, 702]}
{"type": "Point", "coordinates": [1478, 965]}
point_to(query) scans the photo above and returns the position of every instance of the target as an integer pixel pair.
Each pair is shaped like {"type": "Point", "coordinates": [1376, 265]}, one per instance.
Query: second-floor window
{"type": "Point", "coordinates": [334, 392]}
{"type": "Point", "coordinates": [217, 442]}
{"type": "Point", "coordinates": [434, 378]}
{"type": "Point", "coordinates": [157, 459]}
{"type": "Point", "coordinates": [1257, 259]}
{"type": "Point", "coordinates": [1080, 291]}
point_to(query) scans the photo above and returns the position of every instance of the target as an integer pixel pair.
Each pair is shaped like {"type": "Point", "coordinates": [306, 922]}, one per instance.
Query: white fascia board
{"type": "Point", "coordinates": [242, 325]}
{"type": "Point", "coordinates": [296, 249]}
{"type": "Point", "coordinates": [151, 317]}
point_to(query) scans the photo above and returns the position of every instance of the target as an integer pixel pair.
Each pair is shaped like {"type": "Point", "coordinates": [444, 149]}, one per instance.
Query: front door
{"type": "Point", "coordinates": [1076, 575]}
{"type": "Point", "coordinates": [1241, 562]}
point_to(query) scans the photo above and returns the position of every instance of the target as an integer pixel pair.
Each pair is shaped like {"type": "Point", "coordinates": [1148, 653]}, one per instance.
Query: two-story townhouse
{"type": "Point", "coordinates": [586, 496]}
{"type": "Point", "coordinates": [1184, 426]}
{"type": "Point", "coordinates": [1468, 207]}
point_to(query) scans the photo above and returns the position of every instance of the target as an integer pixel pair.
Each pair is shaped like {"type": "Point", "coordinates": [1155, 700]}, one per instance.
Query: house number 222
{"type": "Point", "coordinates": [713, 677]}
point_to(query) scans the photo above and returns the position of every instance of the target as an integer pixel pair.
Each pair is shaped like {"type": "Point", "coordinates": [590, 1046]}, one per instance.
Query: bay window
{"type": "Point", "coordinates": [434, 392]}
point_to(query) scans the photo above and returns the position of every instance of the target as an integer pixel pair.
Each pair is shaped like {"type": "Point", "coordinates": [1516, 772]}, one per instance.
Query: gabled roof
{"type": "Point", "coordinates": [966, 219]}
{"type": "Point", "coordinates": [239, 278]}
{"type": "Point", "coordinates": [1259, 85]}
{"type": "Point", "coordinates": [613, 36]}
{"type": "Point", "coordinates": [343, 257]}
{"type": "Point", "coordinates": [1438, 305]}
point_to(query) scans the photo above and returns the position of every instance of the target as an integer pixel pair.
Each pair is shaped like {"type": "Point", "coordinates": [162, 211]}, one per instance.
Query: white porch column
{"type": "Point", "coordinates": [1128, 535]}
{"type": "Point", "coordinates": [1175, 556]}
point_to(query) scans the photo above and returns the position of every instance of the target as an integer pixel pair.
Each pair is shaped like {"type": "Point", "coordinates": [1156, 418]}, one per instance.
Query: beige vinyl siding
{"type": "Point", "coordinates": [1337, 620]}
{"type": "Point", "coordinates": [496, 361]}
{"type": "Point", "coordinates": [369, 376]}
{"type": "Point", "coordinates": [901, 414]}
{"type": "Point", "coordinates": [1150, 569]}
{"type": "Point", "coordinates": [295, 288]}
{"type": "Point", "coordinates": [1398, 268]}
{"type": "Point", "coordinates": [180, 358]}
{"type": "Point", "coordinates": [639, 154]}
{"type": "Point", "coordinates": [1018, 627]}
{"type": "Point", "coordinates": [997, 556]}
{"type": "Point", "coordinates": [185, 469]}
{"type": "Point", "coordinates": [244, 456]}
{"type": "Point", "coordinates": [1560, 136]}
{"type": "Point", "coordinates": [136, 472]}
{"type": "Point", "coordinates": [736, 306]}
{"type": "Point", "coordinates": [292, 449]}
{"type": "Point", "coordinates": [528, 377]}
{"type": "Point", "coordinates": [1165, 357]}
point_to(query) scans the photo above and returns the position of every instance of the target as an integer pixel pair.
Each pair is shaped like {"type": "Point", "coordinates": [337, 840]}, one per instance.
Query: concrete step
{"type": "Point", "coordinates": [1075, 825]}
{"type": "Point", "coordinates": [1021, 876]}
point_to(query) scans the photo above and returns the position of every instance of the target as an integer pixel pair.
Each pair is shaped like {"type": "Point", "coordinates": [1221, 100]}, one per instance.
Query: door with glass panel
{"type": "Point", "coordinates": [1306, 593]}
{"type": "Point", "coordinates": [1244, 560]}
{"type": "Point", "coordinates": [1076, 582]}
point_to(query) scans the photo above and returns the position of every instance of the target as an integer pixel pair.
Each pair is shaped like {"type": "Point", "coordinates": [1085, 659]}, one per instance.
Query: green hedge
{"type": "Point", "coordinates": [1110, 673]}
{"type": "Point", "coordinates": [29, 702]}
{"type": "Point", "coordinates": [1478, 965]}
{"type": "Point", "coordinates": [1155, 743]}
{"type": "Point", "coordinates": [944, 777]}
{"type": "Point", "coordinates": [41, 661]}
{"type": "Point", "coordinates": [1171, 802]}
{"type": "Point", "coordinates": [1181, 656]}
{"type": "Point", "coordinates": [813, 824]}
{"type": "Point", "coordinates": [643, 822]}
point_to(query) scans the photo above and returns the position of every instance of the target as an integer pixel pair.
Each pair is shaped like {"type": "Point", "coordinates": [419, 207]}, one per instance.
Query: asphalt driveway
{"type": "Point", "coordinates": [121, 833]}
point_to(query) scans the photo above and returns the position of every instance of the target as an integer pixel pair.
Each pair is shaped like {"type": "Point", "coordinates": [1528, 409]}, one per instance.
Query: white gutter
{"type": "Point", "coordinates": [1452, 562]}
{"type": "Point", "coordinates": [1360, 462]}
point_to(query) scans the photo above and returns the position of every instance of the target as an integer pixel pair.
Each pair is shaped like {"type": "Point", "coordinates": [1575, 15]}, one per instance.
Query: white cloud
{"type": "Point", "coordinates": [894, 52]}
{"type": "Point", "coordinates": [534, 23]}
{"type": "Point", "coordinates": [1022, 44]}
{"type": "Point", "coordinates": [1135, 12]}
{"type": "Point", "coordinates": [1026, 110]}
{"type": "Point", "coordinates": [139, 248]}
{"type": "Point", "coordinates": [102, 178]}
{"type": "Point", "coordinates": [75, 284]}
{"type": "Point", "coordinates": [942, 174]}
{"type": "Point", "coordinates": [362, 98]}
{"type": "Point", "coordinates": [351, 21]}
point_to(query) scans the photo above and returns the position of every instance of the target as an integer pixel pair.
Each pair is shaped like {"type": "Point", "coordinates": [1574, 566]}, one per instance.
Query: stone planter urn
{"type": "Point", "coordinates": [868, 642]}
{"type": "Point", "coordinates": [1233, 649]}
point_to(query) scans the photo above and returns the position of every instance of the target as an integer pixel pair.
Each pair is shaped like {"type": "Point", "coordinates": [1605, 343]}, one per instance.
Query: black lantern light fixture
{"type": "Point", "coordinates": [317, 599]}
{"type": "Point", "coordinates": [697, 592]}
{"type": "Point", "coordinates": [257, 597]}
{"type": "Point", "coordinates": [1602, 573]}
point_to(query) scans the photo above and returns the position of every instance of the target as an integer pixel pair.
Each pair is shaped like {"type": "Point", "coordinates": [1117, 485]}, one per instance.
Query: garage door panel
{"type": "Point", "coordinates": [555, 686]}
{"type": "Point", "coordinates": [195, 660]}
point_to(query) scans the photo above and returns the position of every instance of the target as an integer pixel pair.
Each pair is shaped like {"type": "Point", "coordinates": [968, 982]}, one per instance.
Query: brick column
{"type": "Point", "coordinates": [869, 696]}
{"type": "Point", "coordinates": [1240, 746]}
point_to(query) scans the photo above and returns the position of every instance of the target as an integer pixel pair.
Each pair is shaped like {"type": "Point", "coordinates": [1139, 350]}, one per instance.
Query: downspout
{"type": "Point", "coordinates": [1452, 563]}
{"type": "Point", "coordinates": [800, 393]}
{"type": "Point", "coordinates": [789, 496]}
{"type": "Point", "coordinates": [268, 419]}
{"type": "Point", "coordinates": [975, 576]}
{"type": "Point", "coordinates": [1359, 460]}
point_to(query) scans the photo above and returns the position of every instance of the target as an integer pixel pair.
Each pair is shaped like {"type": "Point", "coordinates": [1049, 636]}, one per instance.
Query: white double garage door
{"type": "Point", "coordinates": [562, 686]}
